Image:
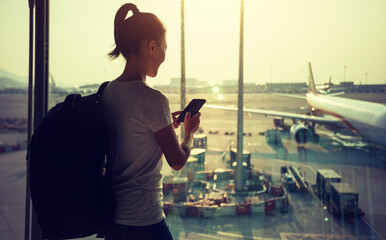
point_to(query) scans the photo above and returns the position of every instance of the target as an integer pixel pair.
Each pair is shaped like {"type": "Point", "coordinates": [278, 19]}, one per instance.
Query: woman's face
{"type": "Point", "coordinates": [158, 57]}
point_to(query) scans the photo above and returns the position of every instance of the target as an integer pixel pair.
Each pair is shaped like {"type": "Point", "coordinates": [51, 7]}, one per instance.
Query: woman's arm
{"type": "Point", "coordinates": [176, 155]}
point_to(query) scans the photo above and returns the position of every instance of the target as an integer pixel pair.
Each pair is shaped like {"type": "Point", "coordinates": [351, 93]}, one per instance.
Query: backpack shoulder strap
{"type": "Point", "coordinates": [71, 99]}
{"type": "Point", "coordinates": [100, 90]}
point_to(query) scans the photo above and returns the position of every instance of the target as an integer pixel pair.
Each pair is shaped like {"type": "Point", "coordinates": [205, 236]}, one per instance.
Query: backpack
{"type": "Point", "coordinates": [69, 175]}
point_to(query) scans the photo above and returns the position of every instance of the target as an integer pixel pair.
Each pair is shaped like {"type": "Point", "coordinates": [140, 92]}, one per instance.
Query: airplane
{"type": "Point", "coordinates": [328, 89]}
{"type": "Point", "coordinates": [367, 119]}
{"type": "Point", "coordinates": [64, 91]}
{"type": "Point", "coordinates": [55, 89]}
{"type": "Point", "coordinates": [325, 87]}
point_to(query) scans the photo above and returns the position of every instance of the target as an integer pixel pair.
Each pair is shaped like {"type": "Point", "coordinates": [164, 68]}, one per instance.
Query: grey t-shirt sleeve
{"type": "Point", "coordinates": [159, 114]}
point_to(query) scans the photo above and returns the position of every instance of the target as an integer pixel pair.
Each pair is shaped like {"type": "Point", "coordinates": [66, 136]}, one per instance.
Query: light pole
{"type": "Point", "coordinates": [366, 76]}
{"type": "Point", "coordinates": [239, 181]}
{"type": "Point", "coordinates": [183, 81]}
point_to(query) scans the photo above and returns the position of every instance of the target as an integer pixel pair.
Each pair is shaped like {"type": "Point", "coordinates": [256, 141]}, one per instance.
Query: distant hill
{"type": "Point", "coordinates": [10, 83]}
{"type": "Point", "coordinates": [10, 80]}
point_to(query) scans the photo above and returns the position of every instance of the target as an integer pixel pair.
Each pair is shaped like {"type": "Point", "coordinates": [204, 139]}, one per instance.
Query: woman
{"type": "Point", "coordinates": [141, 128]}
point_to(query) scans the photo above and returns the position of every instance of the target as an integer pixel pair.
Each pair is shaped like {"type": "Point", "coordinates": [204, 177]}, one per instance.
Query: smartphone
{"type": "Point", "coordinates": [193, 107]}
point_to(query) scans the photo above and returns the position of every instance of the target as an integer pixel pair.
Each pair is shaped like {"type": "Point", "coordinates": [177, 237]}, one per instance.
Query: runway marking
{"type": "Point", "coordinates": [233, 236]}
{"type": "Point", "coordinates": [315, 236]}
{"type": "Point", "coordinates": [208, 236]}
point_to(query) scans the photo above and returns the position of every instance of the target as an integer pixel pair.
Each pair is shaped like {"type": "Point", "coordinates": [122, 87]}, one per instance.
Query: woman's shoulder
{"type": "Point", "coordinates": [137, 89]}
{"type": "Point", "coordinates": [155, 93]}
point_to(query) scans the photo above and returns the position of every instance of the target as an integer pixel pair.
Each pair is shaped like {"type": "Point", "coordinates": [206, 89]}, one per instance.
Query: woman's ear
{"type": "Point", "coordinates": [152, 47]}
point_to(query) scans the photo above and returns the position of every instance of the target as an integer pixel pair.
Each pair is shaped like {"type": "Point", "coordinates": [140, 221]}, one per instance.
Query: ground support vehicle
{"type": "Point", "coordinates": [344, 201]}
{"type": "Point", "coordinates": [324, 178]}
{"type": "Point", "coordinates": [293, 180]}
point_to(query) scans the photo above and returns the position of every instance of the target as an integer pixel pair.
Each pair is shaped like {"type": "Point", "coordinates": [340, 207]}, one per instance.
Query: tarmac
{"type": "Point", "coordinates": [362, 166]}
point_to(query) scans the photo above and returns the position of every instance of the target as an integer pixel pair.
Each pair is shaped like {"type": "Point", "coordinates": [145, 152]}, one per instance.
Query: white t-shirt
{"type": "Point", "coordinates": [134, 112]}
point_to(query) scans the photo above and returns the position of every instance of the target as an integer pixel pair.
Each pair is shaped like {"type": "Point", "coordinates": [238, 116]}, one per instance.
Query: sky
{"type": "Point", "coordinates": [345, 39]}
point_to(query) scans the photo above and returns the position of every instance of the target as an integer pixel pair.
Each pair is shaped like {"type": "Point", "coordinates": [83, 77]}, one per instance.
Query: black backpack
{"type": "Point", "coordinates": [69, 175]}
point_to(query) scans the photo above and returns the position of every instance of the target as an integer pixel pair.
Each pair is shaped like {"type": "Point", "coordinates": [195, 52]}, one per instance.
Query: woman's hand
{"type": "Point", "coordinates": [192, 124]}
{"type": "Point", "coordinates": [176, 124]}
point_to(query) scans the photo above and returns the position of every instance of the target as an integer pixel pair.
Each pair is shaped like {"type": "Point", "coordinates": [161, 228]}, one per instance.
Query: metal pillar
{"type": "Point", "coordinates": [239, 183]}
{"type": "Point", "coordinates": [40, 93]}
{"type": "Point", "coordinates": [183, 86]}
{"type": "Point", "coordinates": [27, 216]}
{"type": "Point", "coordinates": [41, 62]}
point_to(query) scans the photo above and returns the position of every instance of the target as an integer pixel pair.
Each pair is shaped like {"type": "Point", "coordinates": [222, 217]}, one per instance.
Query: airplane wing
{"type": "Point", "coordinates": [336, 93]}
{"type": "Point", "coordinates": [295, 116]}
{"type": "Point", "coordinates": [304, 97]}
{"type": "Point", "coordinates": [291, 95]}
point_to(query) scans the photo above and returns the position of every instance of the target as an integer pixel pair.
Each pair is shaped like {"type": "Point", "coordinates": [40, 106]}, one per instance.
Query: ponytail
{"type": "Point", "coordinates": [119, 21]}
{"type": "Point", "coordinates": [130, 32]}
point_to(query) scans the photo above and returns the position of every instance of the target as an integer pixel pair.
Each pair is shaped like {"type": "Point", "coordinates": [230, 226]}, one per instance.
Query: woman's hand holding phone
{"type": "Point", "coordinates": [191, 125]}
{"type": "Point", "coordinates": [193, 122]}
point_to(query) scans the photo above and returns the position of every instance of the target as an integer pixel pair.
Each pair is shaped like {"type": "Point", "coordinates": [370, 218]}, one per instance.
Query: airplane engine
{"type": "Point", "coordinates": [301, 133]}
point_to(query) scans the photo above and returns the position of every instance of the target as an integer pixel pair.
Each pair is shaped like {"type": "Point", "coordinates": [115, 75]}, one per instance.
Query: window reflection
{"type": "Point", "coordinates": [284, 197]}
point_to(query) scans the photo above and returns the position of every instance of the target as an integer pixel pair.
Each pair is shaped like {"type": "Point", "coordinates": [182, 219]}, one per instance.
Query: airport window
{"type": "Point", "coordinates": [13, 116]}
{"type": "Point", "coordinates": [313, 159]}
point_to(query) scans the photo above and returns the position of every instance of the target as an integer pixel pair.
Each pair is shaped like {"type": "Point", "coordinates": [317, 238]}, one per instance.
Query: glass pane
{"type": "Point", "coordinates": [288, 191]}
{"type": "Point", "coordinates": [13, 116]}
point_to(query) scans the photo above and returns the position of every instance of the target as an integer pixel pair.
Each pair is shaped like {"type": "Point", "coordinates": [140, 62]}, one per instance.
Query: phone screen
{"type": "Point", "coordinates": [193, 107]}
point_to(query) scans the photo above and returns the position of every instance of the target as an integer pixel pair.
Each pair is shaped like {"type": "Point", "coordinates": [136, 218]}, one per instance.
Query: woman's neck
{"type": "Point", "coordinates": [125, 77]}
{"type": "Point", "coordinates": [133, 71]}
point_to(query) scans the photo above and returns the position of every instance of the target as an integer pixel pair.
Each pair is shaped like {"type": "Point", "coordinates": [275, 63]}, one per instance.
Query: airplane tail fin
{"type": "Point", "coordinates": [311, 86]}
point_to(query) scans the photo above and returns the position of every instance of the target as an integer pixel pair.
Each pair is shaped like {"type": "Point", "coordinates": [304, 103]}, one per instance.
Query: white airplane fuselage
{"type": "Point", "coordinates": [366, 118]}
